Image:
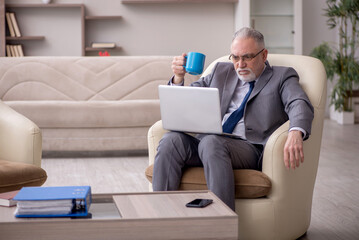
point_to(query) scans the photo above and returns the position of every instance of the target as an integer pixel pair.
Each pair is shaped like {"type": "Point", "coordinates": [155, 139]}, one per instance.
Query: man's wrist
{"type": "Point", "coordinates": [176, 82]}
{"type": "Point", "coordinates": [304, 133]}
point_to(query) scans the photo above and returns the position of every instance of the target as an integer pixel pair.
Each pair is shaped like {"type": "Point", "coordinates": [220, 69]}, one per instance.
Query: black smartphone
{"type": "Point", "coordinates": [199, 203]}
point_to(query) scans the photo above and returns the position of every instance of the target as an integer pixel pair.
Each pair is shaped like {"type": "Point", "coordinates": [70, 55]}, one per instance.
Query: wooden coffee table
{"type": "Point", "coordinates": [152, 215]}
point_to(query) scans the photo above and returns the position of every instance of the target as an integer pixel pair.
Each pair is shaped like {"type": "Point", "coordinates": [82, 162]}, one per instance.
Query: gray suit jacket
{"type": "Point", "coordinates": [276, 97]}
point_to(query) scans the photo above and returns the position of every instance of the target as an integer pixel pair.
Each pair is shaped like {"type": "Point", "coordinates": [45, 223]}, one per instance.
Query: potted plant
{"type": "Point", "coordinates": [339, 61]}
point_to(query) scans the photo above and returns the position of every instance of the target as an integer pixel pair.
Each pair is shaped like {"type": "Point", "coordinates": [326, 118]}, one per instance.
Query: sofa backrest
{"type": "Point", "coordinates": [83, 78]}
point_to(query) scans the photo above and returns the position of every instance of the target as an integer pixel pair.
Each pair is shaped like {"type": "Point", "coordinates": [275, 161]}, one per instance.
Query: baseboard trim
{"type": "Point", "coordinates": [93, 154]}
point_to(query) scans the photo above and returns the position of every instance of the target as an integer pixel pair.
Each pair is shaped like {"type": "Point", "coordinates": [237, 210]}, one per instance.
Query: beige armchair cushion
{"type": "Point", "coordinates": [248, 183]}
{"type": "Point", "coordinates": [15, 175]}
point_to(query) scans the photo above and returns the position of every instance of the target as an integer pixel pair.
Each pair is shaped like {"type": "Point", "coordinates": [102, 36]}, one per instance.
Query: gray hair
{"type": "Point", "coordinates": [247, 32]}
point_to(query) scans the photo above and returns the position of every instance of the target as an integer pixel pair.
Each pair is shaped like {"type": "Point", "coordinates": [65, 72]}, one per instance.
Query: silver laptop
{"type": "Point", "coordinates": [190, 109]}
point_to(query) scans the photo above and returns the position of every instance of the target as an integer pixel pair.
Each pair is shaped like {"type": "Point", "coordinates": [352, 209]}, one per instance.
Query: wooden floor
{"type": "Point", "coordinates": [335, 211]}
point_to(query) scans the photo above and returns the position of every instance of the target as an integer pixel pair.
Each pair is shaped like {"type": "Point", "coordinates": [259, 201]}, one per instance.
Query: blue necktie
{"type": "Point", "coordinates": [234, 118]}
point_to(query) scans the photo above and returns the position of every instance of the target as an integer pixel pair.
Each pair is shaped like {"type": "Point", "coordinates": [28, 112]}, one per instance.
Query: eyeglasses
{"type": "Point", "coordinates": [244, 58]}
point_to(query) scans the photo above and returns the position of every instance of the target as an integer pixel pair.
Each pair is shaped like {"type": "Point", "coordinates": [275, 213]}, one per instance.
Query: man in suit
{"type": "Point", "coordinates": [274, 96]}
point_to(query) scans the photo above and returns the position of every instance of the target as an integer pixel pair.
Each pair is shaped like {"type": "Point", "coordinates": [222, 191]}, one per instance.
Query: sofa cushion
{"type": "Point", "coordinates": [89, 114]}
{"type": "Point", "coordinates": [248, 183]}
{"type": "Point", "coordinates": [15, 175]}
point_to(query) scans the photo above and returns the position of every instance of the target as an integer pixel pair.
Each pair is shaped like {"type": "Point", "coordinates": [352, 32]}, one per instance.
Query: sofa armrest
{"type": "Point", "coordinates": [20, 138]}
{"type": "Point", "coordinates": [155, 133]}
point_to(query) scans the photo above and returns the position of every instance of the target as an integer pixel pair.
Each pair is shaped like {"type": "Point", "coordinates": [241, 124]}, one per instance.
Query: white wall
{"type": "Point", "coordinates": [153, 29]}
{"type": "Point", "coordinates": [315, 29]}
{"type": "Point", "coordinates": [156, 29]}
{"type": "Point", "coordinates": [170, 29]}
{"type": "Point", "coordinates": [146, 29]}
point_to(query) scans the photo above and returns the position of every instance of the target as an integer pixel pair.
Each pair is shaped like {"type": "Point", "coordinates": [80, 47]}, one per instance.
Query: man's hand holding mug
{"type": "Point", "coordinates": [193, 63]}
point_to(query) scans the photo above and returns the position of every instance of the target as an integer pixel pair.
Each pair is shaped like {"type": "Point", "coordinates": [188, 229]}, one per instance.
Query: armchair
{"type": "Point", "coordinates": [285, 211]}
{"type": "Point", "coordinates": [20, 155]}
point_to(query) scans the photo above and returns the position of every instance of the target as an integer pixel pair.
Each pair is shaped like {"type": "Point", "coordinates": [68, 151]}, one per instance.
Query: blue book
{"type": "Point", "coordinates": [69, 201]}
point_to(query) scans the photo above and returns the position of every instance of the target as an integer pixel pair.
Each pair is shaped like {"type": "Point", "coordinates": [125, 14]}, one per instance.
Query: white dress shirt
{"type": "Point", "coordinates": [237, 99]}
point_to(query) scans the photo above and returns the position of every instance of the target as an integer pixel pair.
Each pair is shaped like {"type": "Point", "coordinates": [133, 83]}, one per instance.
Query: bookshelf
{"type": "Point", "coordinates": [103, 20]}
{"type": "Point", "coordinates": [25, 38]}
{"type": "Point", "coordinates": [102, 17]}
{"type": "Point", "coordinates": [2, 28]}
{"type": "Point", "coordinates": [19, 40]}
{"type": "Point", "coordinates": [281, 22]}
{"type": "Point", "coordinates": [85, 20]}
{"type": "Point", "coordinates": [176, 1]}
{"type": "Point", "coordinates": [91, 49]}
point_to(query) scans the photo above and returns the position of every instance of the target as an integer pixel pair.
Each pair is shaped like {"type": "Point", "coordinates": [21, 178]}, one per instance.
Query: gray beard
{"type": "Point", "coordinates": [249, 78]}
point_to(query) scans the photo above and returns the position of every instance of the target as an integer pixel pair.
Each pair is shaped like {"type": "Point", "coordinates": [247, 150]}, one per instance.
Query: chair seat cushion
{"type": "Point", "coordinates": [248, 183]}
{"type": "Point", "coordinates": [15, 175]}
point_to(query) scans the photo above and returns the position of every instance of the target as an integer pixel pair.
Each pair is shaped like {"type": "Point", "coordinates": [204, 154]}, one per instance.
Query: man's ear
{"type": "Point", "coordinates": [264, 55]}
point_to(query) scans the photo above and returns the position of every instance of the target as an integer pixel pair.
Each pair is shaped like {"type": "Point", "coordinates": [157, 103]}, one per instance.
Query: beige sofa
{"type": "Point", "coordinates": [87, 103]}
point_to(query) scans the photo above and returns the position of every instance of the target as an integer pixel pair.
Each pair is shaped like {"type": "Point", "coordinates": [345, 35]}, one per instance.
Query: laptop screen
{"type": "Point", "coordinates": [190, 109]}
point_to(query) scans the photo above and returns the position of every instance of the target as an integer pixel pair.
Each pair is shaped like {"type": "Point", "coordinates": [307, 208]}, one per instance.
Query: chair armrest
{"type": "Point", "coordinates": [20, 138]}
{"type": "Point", "coordinates": [288, 186]}
{"type": "Point", "coordinates": [155, 133]}
{"type": "Point", "coordinates": [273, 151]}
{"type": "Point", "coordinates": [273, 164]}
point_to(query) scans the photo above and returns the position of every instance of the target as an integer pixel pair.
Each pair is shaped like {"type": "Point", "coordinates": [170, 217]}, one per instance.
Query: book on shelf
{"type": "Point", "coordinates": [7, 198]}
{"type": "Point", "coordinates": [10, 25]}
{"type": "Point", "coordinates": [14, 50]}
{"type": "Point", "coordinates": [19, 50]}
{"type": "Point", "coordinates": [15, 25]}
{"type": "Point", "coordinates": [69, 201]}
{"type": "Point", "coordinates": [8, 51]}
{"type": "Point", "coordinates": [103, 45]}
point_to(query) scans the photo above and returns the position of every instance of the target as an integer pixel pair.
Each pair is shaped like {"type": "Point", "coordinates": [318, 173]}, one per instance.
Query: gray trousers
{"type": "Point", "coordinates": [218, 155]}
